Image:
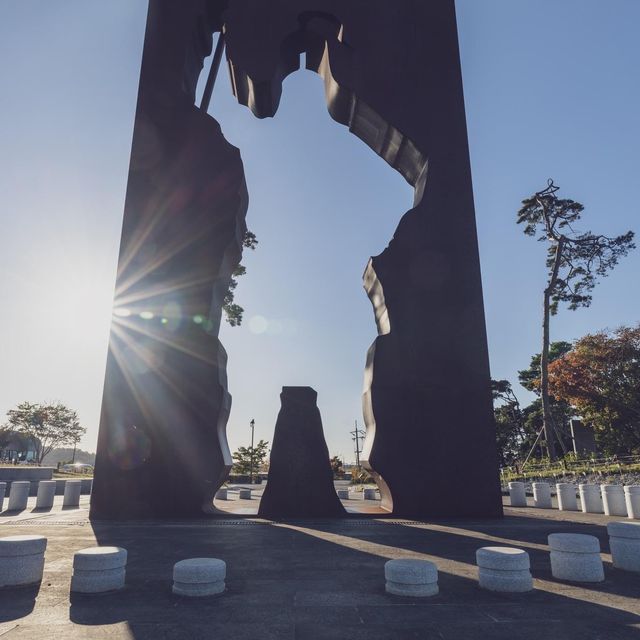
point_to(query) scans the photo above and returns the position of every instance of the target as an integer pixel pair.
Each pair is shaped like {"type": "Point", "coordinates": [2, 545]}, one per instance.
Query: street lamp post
{"type": "Point", "coordinates": [252, 424]}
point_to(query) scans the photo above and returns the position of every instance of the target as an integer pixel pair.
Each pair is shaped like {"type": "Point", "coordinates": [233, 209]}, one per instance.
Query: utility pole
{"type": "Point", "coordinates": [358, 434]}
{"type": "Point", "coordinates": [252, 424]}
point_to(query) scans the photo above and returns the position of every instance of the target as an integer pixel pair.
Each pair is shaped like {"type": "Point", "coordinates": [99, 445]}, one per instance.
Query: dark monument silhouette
{"type": "Point", "coordinates": [392, 75]}
{"type": "Point", "coordinates": [300, 482]}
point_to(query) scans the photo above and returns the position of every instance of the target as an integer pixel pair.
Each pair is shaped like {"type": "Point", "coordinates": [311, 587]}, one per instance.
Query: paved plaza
{"type": "Point", "coordinates": [316, 580]}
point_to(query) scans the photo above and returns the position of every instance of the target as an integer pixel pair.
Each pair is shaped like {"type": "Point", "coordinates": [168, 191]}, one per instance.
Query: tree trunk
{"type": "Point", "coordinates": [547, 418]}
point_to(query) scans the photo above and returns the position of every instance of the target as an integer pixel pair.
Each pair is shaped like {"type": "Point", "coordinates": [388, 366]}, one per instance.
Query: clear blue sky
{"type": "Point", "coordinates": [551, 89]}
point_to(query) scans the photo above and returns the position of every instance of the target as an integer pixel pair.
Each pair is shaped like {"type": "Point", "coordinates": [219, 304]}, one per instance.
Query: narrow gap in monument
{"type": "Point", "coordinates": [320, 203]}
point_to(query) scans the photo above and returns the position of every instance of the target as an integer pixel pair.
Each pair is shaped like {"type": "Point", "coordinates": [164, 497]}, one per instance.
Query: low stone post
{"type": "Point", "coordinates": [613, 500]}
{"type": "Point", "coordinates": [343, 494]}
{"type": "Point", "coordinates": [541, 495]}
{"type": "Point", "coordinates": [624, 541]}
{"type": "Point", "coordinates": [18, 495]}
{"type": "Point", "coordinates": [99, 570]}
{"type": "Point", "coordinates": [370, 494]}
{"type": "Point", "coordinates": [222, 494]}
{"type": "Point", "coordinates": [3, 491]}
{"type": "Point", "coordinates": [567, 500]}
{"type": "Point", "coordinates": [575, 557]}
{"type": "Point", "coordinates": [517, 495]}
{"type": "Point", "coordinates": [504, 569]}
{"type": "Point", "coordinates": [590, 498]}
{"type": "Point", "coordinates": [198, 577]}
{"type": "Point", "coordinates": [632, 499]}
{"type": "Point", "coordinates": [21, 560]}
{"type": "Point", "coordinates": [46, 493]}
{"type": "Point", "coordinates": [409, 577]}
{"type": "Point", "coordinates": [245, 494]}
{"type": "Point", "coordinates": [72, 490]}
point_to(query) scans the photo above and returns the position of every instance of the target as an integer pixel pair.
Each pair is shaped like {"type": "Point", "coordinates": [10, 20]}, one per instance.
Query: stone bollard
{"type": "Point", "coordinates": [541, 495]}
{"type": "Point", "coordinates": [3, 491]}
{"type": "Point", "coordinates": [415, 578]}
{"type": "Point", "coordinates": [72, 490]}
{"type": "Point", "coordinates": [613, 500]}
{"type": "Point", "coordinates": [504, 569]}
{"type": "Point", "coordinates": [575, 557]}
{"type": "Point", "coordinates": [517, 495]}
{"type": "Point", "coordinates": [245, 494]}
{"type": "Point", "coordinates": [631, 498]}
{"type": "Point", "coordinates": [343, 494]}
{"type": "Point", "coordinates": [98, 570]}
{"type": "Point", "coordinates": [21, 560]}
{"type": "Point", "coordinates": [199, 577]}
{"type": "Point", "coordinates": [46, 493]}
{"type": "Point", "coordinates": [18, 495]}
{"type": "Point", "coordinates": [590, 498]}
{"type": "Point", "coordinates": [567, 500]}
{"type": "Point", "coordinates": [624, 541]}
{"type": "Point", "coordinates": [222, 494]}
{"type": "Point", "coordinates": [370, 494]}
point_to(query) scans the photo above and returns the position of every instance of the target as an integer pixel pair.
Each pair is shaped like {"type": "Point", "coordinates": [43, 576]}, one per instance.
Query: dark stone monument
{"type": "Point", "coordinates": [583, 438]}
{"type": "Point", "coordinates": [300, 482]}
{"type": "Point", "coordinates": [392, 76]}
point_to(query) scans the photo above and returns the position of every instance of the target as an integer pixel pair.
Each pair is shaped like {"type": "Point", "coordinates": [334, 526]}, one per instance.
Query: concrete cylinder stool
{"type": "Point", "coordinates": [21, 560]}
{"type": "Point", "coordinates": [343, 494]}
{"type": "Point", "coordinates": [72, 490]}
{"type": "Point", "coordinates": [504, 569]}
{"type": "Point", "coordinates": [198, 577]}
{"type": "Point", "coordinates": [631, 497]}
{"type": "Point", "coordinates": [590, 498]}
{"type": "Point", "coordinates": [222, 494]}
{"type": "Point", "coordinates": [98, 569]}
{"type": "Point", "coordinates": [3, 490]}
{"type": "Point", "coordinates": [46, 493]}
{"type": "Point", "coordinates": [414, 578]}
{"type": "Point", "coordinates": [567, 500]}
{"type": "Point", "coordinates": [18, 495]}
{"type": "Point", "coordinates": [370, 494]}
{"type": "Point", "coordinates": [613, 500]}
{"type": "Point", "coordinates": [575, 557]}
{"type": "Point", "coordinates": [624, 541]}
{"type": "Point", "coordinates": [245, 494]}
{"type": "Point", "coordinates": [541, 495]}
{"type": "Point", "coordinates": [517, 495]}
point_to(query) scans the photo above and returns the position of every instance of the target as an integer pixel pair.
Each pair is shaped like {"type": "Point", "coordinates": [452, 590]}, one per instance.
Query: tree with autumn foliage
{"type": "Point", "coordinates": [600, 377]}
{"type": "Point", "coordinates": [575, 261]}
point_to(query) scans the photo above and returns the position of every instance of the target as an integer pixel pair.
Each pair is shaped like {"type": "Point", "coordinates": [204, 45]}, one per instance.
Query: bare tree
{"type": "Point", "coordinates": [575, 260]}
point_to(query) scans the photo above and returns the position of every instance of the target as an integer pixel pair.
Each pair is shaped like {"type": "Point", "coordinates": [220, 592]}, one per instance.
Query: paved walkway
{"type": "Point", "coordinates": [316, 580]}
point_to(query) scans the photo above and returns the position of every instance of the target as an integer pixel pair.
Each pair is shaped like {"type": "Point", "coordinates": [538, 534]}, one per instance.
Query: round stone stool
{"type": "Point", "coordinates": [517, 495]}
{"type": "Point", "coordinates": [631, 497]}
{"type": "Point", "coordinates": [46, 493]}
{"type": "Point", "coordinates": [18, 495]}
{"type": "Point", "coordinates": [575, 557]}
{"type": "Point", "coordinates": [245, 494]}
{"type": "Point", "coordinates": [21, 560]}
{"type": "Point", "coordinates": [222, 494]}
{"type": "Point", "coordinates": [72, 489]}
{"type": "Point", "coordinates": [3, 491]}
{"type": "Point", "coordinates": [541, 495]}
{"type": "Point", "coordinates": [343, 494]}
{"type": "Point", "coordinates": [624, 541]}
{"type": "Point", "coordinates": [504, 569]}
{"type": "Point", "coordinates": [414, 578]}
{"type": "Point", "coordinates": [567, 500]}
{"type": "Point", "coordinates": [590, 498]}
{"type": "Point", "coordinates": [98, 569]}
{"type": "Point", "coordinates": [613, 500]}
{"type": "Point", "coordinates": [198, 577]}
{"type": "Point", "coordinates": [370, 494]}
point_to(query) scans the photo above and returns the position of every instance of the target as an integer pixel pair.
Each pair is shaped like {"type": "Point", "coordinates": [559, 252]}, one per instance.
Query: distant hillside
{"type": "Point", "coordinates": [66, 454]}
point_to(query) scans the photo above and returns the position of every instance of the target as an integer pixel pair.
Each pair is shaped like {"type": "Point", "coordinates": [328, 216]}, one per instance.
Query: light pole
{"type": "Point", "coordinates": [252, 424]}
